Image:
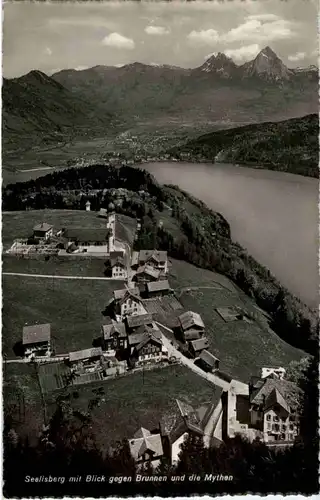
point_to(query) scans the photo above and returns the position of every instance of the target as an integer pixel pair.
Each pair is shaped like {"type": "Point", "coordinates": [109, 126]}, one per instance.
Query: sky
{"type": "Point", "coordinates": [58, 35]}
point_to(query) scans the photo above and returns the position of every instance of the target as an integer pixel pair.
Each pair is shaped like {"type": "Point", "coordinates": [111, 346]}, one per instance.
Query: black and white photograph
{"type": "Point", "coordinates": [160, 307]}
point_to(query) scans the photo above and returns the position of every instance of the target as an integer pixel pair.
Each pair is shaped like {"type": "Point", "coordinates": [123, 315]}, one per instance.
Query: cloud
{"type": "Point", "coordinates": [263, 17]}
{"type": "Point", "coordinates": [119, 41]}
{"type": "Point", "coordinates": [81, 68]}
{"type": "Point", "coordinates": [243, 54]}
{"type": "Point", "coordinates": [48, 51]}
{"type": "Point", "coordinates": [256, 30]}
{"type": "Point", "coordinates": [156, 30]}
{"type": "Point", "coordinates": [206, 37]}
{"type": "Point", "coordinates": [298, 56]}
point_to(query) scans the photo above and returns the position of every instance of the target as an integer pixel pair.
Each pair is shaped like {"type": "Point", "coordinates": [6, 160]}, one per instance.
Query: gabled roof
{"type": "Point", "coordinates": [287, 395]}
{"type": "Point", "coordinates": [192, 335]}
{"type": "Point", "coordinates": [117, 261]}
{"type": "Point", "coordinates": [149, 271]}
{"type": "Point", "coordinates": [276, 398]}
{"type": "Point", "coordinates": [156, 286]}
{"type": "Point", "coordinates": [156, 255]}
{"type": "Point", "coordinates": [36, 333]}
{"type": "Point", "coordinates": [191, 319]}
{"type": "Point", "coordinates": [85, 354]}
{"type": "Point", "coordinates": [148, 337]}
{"type": "Point", "coordinates": [144, 442]}
{"type": "Point", "coordinates": [44, 227]}
{"type": "Point", "coordinates": [115, 327]}
{"type": "Point", "coordinates": [87, 234]}
{"type": "Point", "coordinates": [135, 338]}
{"type": "Point", "coordinates": [138, 320]}
{"type": "Point", "coordinates": [120, 295]}
{"type": "Point", "coordinates": [208, 358]}
{"type": "Point", "coordinates": [199, 345]}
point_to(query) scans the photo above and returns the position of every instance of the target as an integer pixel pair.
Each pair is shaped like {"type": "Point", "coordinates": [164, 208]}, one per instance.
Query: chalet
{"type": "Point", "coordinates": [88, 359]}
{"type": "Point", "coordinates": [191, 321]}
{"type": "Point", "coordinates": [158, 259]}
{"type": "Point", "coordinates": [36, 340]}
{"type": "Point", "coordinates": [127, 302]}
{"type": "Point", "coordinates": [146, 447]}
{"type": "Point", "coordinates": [149, 349]}
{"type": "Point", "coordinates": [188, 420]}
{"type": "Point", "coordinates": [208, 361]}
{"type": "Point", "coordinates": [118, 268]}
{"type": "Point", "coordinates": [114, 336]}
{"type": "Point", "coordinates": [135, 321]}
{"type": "Point", "coordinates": [43, 231]}
{"type": "Point", "coordinates": [274, 409]}
{"type": "Point", "coordinates": [146, 273]}
{"type": "Point", "coordinates": [87, 240]}
{"type": "Point", "coordinates": [158, 288]}
{"type": "Point", "coordinates": [196, 346]}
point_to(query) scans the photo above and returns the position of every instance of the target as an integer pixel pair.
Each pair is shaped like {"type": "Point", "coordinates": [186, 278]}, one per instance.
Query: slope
{"type": "Point", "coordinates": [290, 146]}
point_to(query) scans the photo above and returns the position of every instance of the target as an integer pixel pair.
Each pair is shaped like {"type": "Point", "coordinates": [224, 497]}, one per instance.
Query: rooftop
{"type": "Point", "coordinates": [200, 344]}
{"type": "Point", "coordinates": [270, 391]}
{"type": "Point", "coordinates": [143, 442]}
{"type": "Point", "coordinates": [110, 329]}
{"type": "Point", "coordinates": [120, 294]}
{"type": "Point", "coordinates": [149, 270]}
{"type": "Point", "coordinates": [36, 333]}
{"type": "Point", "coordinates": [87, 234]}
{"type": "Point", "coordinates": [85, 354]}
{"type": "Point", "coordinates": [191, 319]}
{"type": "Point", "coordinates": [138, 320]}
{"type": "Point", "coordinates": [156, 286]}
{"type": "Point", "coordinates": [156, 255]}
{"type": "Point", "coordinates": [208, 357]}
{"type": "Point", "coordinates": [44, 227]}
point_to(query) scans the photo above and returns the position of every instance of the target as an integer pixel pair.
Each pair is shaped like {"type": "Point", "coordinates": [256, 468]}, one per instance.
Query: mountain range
{"type": "Point", "coordinates": [218, 93]}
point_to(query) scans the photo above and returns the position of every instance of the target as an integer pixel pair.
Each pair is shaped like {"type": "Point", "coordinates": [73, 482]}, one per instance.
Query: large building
{"type": "Point", "coordinates": [274, 409]}
{"type": "Point", "coordinates": [43, 231]}
{"type": "Point", "coordinates": [127, 302]}
{"type": "Point", "coordinates": [114, 336]}
{"type": "Point", "coordinates": [36, 340]}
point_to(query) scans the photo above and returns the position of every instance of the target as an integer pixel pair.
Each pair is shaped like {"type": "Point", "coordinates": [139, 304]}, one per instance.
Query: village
{"type": "Point", "coordinates": [145, 327]}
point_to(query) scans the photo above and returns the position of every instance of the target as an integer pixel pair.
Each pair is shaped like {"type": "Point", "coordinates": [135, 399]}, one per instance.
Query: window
{"type": "Point", "coordinates": [284, 427]}
{"type": "Point", "coordinates": [290, 437]}
{"type": "Point", "coordinates": [276, 419]}
{"type": "Point", "coordinates": [291, 427]}
{"type": "Point", "coordinates": [283, 437]}
{"type": "Point", "coordinates": [268, 417]}
{"type": "Point", "coordinates": [268, 426]}
{"type": "Point", "coordinates": [292, 418]}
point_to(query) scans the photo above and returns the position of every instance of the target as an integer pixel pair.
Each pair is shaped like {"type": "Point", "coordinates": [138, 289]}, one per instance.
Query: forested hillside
{"type": "Point", "coordinates": [289, 146]}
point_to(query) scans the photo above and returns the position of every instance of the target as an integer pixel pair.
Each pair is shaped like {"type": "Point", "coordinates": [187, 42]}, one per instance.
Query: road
{"type": "Point", "coordinates": [55, 276]}
{"type": "Point", "coordinates": [172, 351]}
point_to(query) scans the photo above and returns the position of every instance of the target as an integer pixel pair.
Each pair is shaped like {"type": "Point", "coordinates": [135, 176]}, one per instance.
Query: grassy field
{"type": "Point", "coordinates": [54, 266]}
{"type": "Point", "coordinates": [140, 399]}
{"type": "Point", "coordinates": [243, 348]}
{"type": "Point", "coordinates": [17, 225]}
{"type": "Point", "coordinates": [73, 308]}
{"type": "Point", "coordinates": [22, 399]}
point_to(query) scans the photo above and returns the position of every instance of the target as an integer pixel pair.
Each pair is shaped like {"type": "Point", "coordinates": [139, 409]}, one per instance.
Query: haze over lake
{"type": "Point", "coordinates": [272, 214]}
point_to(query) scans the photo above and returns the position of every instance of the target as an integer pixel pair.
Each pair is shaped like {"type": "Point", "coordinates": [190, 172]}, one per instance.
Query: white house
{"type": "Point", "coordinates": [277, 372]}
{"type": "Point", "coordinates": [127, 302]}
{"type": "Point", "coordinates": [146, 447]}
{"type": "Point", "coordinates": [118, 268]}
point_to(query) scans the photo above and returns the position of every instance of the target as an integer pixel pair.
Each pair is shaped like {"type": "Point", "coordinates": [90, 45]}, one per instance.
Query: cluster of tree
{"type": "Point", "coordinates": [67, 448]}
{"type": "Point", "coordinates": [289, 146]}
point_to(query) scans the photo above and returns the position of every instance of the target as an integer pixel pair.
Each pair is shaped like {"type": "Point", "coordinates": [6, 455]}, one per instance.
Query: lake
{"type": "Point", "coordinates": [274, 215]}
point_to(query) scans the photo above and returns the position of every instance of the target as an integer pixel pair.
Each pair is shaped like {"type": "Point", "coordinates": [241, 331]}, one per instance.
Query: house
{"type": "Point", "coordinates": [146, 447]}
{"type": "Point", "coordinates": [87, 359]}
{"type": "Point", "coordinates": [36, 340]}
{"type": "Point", "coordinates": [114, 336]}
{"type": "Point", "coordinates": [127, 302]}
{"type": "Point", "coordinates": [135, 321]}
{"type": "Point", "coordinates": [275, 408]}
{"type": "Point", "coordinates": [149, 349]}
{"type": "Point", "coordinates": [87, 240]}
{"type": "Point", "coordinates": [187, 420]}
{"type": "Point", "coordinates": [118, 268]}
{"type": "Point", "coordinates": [208, 361]}
{"type": "Point", "coordinates": [43, 231]}
{"type": "Point", "coordinates": [191, 335]}
{"type": "Point", "coordinates": [146, 273]}
{"type": "Point", "coordinates": [158, 259]}
{"type": "Point", "coordinates": [277, 372]}
{"type": "Point", "coordinates": [196, 346]}
{"type": "Point", "coordinates": [158, 288]}
{"type": "Point", "coordinates": [191, 321]}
